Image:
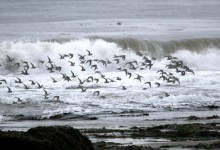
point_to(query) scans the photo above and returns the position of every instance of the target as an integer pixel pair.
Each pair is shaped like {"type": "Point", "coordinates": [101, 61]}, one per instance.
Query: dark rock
{"type": "Point", "coordinates": [213, 117]}
{"type": "Point", "coordinates": [64, 116]}
{"type": "Point", "coordinates": [70, 116]}
{"type": "Point", "coordinates": [45, 138]}
{"type": "Point", "coordinates": [193, 118]}
{"type": "Point", "coordinates": [213, 106]}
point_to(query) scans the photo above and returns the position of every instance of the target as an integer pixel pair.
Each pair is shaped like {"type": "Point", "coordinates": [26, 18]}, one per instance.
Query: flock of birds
{"type": "Point", "coordinates": [128, 68]}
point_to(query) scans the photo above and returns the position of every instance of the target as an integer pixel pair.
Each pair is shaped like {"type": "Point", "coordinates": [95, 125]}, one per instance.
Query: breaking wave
{"type": "Point", "coordinates": [200, 54]}
{"type": "Point", "coordinates": [161, 48]}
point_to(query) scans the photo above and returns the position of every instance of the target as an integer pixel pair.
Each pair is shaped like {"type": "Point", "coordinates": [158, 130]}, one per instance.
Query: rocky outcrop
{"type": "Point", "coordinates": [45, 138]}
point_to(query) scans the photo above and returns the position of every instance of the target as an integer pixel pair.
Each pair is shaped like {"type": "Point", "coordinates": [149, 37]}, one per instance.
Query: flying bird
{"type": "Point", "coordinates": [96, 93]}
{"type": "Point", "coordinates": [9, 90]}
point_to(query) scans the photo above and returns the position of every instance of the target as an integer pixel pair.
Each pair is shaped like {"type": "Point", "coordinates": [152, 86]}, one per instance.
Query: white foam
{"type": "Point", "coordinates": [203, 61]}
{"type": "Point", "coordinates": [194, 90]}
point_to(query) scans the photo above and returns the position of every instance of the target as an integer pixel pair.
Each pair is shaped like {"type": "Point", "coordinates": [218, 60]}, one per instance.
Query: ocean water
{"type": "Point", "coordinates": [55, 33]}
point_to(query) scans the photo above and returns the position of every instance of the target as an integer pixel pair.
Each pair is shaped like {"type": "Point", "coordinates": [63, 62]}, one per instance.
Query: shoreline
{"type": "Point", "coordinates": [181, 136]}
{"type": "Point", "coordinates": [117, 121]}
{"type": "Point", "coordinates": [112, 133]}
{"type": "Point", "coordinates": [195, 135]}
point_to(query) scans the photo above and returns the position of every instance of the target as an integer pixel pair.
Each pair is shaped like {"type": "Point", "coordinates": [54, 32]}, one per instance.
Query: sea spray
{"type": "Point", "coordinates": [194, 91]}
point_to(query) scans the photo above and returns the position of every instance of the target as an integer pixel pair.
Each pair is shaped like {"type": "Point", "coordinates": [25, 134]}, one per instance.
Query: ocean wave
{"type": "Point", "coordinates": [155, 47]}
{"type": "Point", "coordinates": [200, 54]}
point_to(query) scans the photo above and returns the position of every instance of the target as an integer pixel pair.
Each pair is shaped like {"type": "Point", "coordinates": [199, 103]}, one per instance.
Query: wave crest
{"type": "Point", "coordinates": [201, 54]}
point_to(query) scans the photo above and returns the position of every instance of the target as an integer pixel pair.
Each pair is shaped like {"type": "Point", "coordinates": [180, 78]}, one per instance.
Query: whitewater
{"type": "Point", "coordinates": [193, 93]}
{"type": "Point", "coordinates": [36, 36]}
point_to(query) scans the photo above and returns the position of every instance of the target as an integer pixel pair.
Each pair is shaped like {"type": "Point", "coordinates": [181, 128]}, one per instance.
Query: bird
{"type": "Point", "coordinates": [26, 64]}
{"type": "Point", "coordinates": [97, 80]}
{"type": "Point", "coordinates": [139, 53]}
{"type": "Point", "coordinates": [148, 84]}
{"type": "Point", "coordinates": [10, 59]}
{"type": "Point", "coordinates": [17, 64]}
{"type": "Point", "coordinates": [124, 88]}
{"type": "Point", "coordinates": [111, 80]}
{"type": "Point", "coordinates": [39, 86]}
{"type": "Point", "coordinates": [138, 77]}
{"type": "Point", "coordinates": [122, 56]}
{"type": "Point", "coordinates": [71, 63]}
{"type": "Point", "coordinates": [33, 66]}
{"type": "Point", "coordinates": [117, 61]}
{"type": "Point", "coordinates": [89, 53]}
{"type": "Point", "coordinates": [82, 68]}
{"type": "Point", "coordinates": [80, 81]}
{"type": "Point", "coordinates": [62, 56]}
{"type": "Point", "coordinates": [104, 63]}
{"type": "Point", "coordinates": [158, 84]}
{"type": "Point", "coordinates": [50, 68]}
{"type": "Point", "coordinates": [18, 99]}
{"type": "Point", "coordinates": [81, 57]}
{"type": "Point", "coordinates": [129, 74]}
{"type": "Point", "coordinates": [125, 70]}
{"type": "Point", "coordinates": [73, 75]}
{"type": "Point", "coordinates": [70, 55]}
{"type": "Point", "coordinates": [90, 79]}
{"type": "Point", "coordinates": [182, 73]}
{"type": "Point", "coordinates": [149, 65]}
{"type": "Point", "coordinates": [94, 66]}
{"type": "Point", "coordinates": [57, 98]}
{"type": "Point", "coordinates": [24, 72]}
{"type": "Point", "coordinates": [168, 57]}
{"type": "Point", "coordinates": [82, 61]}
{"type": "Point", "coordinates": [53, 80]}
{"type": "Point", "coordinates": [83, 89]}
{"type": "Point", "coordinates": [166, 94]}
{"type": "Point", "coordinates": [9, 90]}
{"type": "Point", "coordinates": [32, 82]}
{"type": "Point", "coordinates": [108, 61]}
{"type": "Point", "coordinates": [25, 86]}
{"type": "Point", "coordinates": [49, 60]}
{"type": "Point", "coordinates": [89, 61]}
{"type": "Point", "coordinates": [160, 71]}
{"type": "Point", "coordinates": [67, 78]}
{"type": "Point", "coordinates": [45, 92]}
{"type": "Point", "coordinates": [57, 68]}
{"type": "Point", "coordinates": [162, 77]}
{"type": "Point", "coordinates": [96, 93]}
{"type": "Point", "coordinates": [102, 97]}
{"type": "Point", "coordinates": [41, 61]}
{"type": "Point", "coordinates": [118, 78]}
{"type": "Point", "coordinates": [3, 80]}
{"type": "Point", "coordinates": [106, 80]}
{"type": "Point", "coordinates": [18, 81]}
